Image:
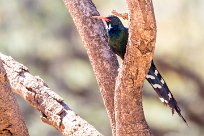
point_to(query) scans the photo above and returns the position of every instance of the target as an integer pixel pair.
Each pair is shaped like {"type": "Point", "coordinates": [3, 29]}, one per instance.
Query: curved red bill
{"type": "Point", "coordinates": [103, 18]}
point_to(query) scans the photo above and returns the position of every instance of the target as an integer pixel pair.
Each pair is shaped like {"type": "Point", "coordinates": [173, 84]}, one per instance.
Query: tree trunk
{"type": "Point", "coordinates": [11, 121]}
{"type": "Point", "coordinates": [127, 116]}
{"type": "Point", "coordinates": [104, 62]}
{"type": "Point", "coordinates": [130, 120]}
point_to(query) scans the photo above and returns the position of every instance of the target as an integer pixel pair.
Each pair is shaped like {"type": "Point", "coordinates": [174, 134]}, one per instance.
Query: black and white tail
{"type": "Point", "coordinates": [161, 88]}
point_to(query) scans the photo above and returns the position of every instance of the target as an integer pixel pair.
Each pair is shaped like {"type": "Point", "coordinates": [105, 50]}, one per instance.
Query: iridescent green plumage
{"type": "Point", "coordinates": [117, 40]}
{"type": "Point", "coordinates": [118, 36]}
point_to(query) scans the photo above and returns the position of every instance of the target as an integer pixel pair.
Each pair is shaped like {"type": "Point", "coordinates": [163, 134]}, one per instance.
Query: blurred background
{"type": "Point", "coordinates": [41, 35]}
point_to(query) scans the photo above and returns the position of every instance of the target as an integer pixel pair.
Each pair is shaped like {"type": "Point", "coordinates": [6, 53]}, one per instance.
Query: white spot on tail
{"type": "Point", "coordinates": [150, 76]}
{"type": "Point", "coordinates": [162, 99]}
{"type": "Point", "coordinates": [157, 86]}
{"type": "Point", "coordinates": [156, 72]}
{"type": "Point", "coordinates": [170, 96]}
{"type": "Point", "coordinates": [162, 81]}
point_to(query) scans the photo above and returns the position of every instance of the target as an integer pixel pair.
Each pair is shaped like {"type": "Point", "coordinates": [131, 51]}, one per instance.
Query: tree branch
{"type": "Point", "coordinates": [55, 112]}
{"type": "Point", "coordinates": [11, 121]}
{"type": "Point", "coordinates": [130, 118]}
{"type": "Point", "coordinates": [104, 62]}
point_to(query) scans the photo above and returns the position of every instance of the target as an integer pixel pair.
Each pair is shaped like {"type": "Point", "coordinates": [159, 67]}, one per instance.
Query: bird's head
{"type": "Point", "coordinates": [111, 20]}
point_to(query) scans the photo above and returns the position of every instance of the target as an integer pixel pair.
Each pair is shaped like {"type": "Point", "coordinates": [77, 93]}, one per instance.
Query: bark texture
{"type": "Point", "coordinates": [35, 91]}
{"type": "Point", "coordinates": [130, 120]}
{"type": "Point", "coordinates": [11, 121]}
{"type": "Point", "coordinates": [104, 62]}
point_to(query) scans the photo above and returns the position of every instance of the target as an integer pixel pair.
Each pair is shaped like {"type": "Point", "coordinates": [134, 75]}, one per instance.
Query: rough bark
{"type": "Point", "coordinates": [104, 62]}
{"type": "Point", "coordinates": [130, 120]}
{"type": "Point", "coordinates": [11, 121]}
{"type": "Point", "coordinates": [35, 91]}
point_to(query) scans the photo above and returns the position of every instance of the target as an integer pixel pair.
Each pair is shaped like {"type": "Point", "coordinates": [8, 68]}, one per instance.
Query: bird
{"type": "Point", "coordinates": [117, 40]}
